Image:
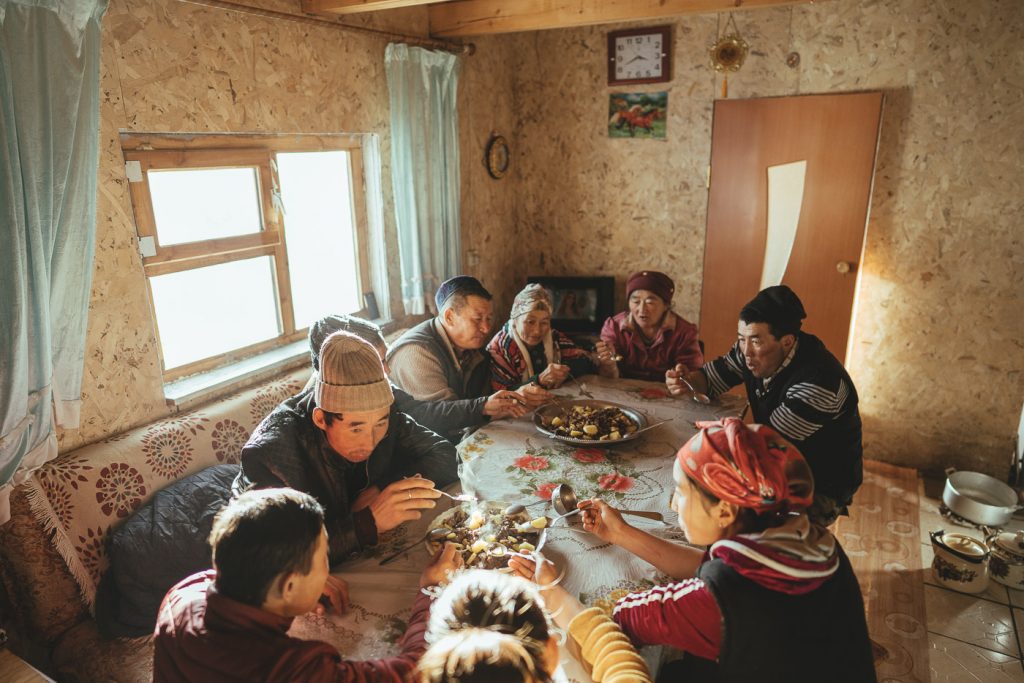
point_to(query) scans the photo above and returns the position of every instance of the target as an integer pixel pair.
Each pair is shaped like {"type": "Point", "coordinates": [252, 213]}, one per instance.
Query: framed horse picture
{"type": "Point", "coordinates": [637, 115]}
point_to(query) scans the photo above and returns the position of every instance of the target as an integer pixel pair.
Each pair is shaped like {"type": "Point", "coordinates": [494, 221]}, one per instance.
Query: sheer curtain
{"type": "Point", "coordinates": [425, 168]}
{"type": "Point", "coordinates": [49, 143]}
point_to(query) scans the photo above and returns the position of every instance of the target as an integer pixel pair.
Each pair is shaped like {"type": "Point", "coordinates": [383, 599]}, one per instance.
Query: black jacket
{"type": "Point", "coordinates": [287, 449]}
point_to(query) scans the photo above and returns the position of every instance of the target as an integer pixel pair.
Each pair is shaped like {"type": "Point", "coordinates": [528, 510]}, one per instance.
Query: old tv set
{"type": "Point", "coordinates": [582, 304]}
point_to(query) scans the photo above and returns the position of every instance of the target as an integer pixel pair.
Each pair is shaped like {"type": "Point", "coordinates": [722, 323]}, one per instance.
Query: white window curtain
{"type": "Point", "coordinates": [423, 86]}
{"type": "Point", "coordinates": [49, 144]}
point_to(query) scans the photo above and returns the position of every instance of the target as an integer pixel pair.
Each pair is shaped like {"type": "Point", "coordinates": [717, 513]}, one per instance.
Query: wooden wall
{"type": "Point", "coordinates": [938, 339]}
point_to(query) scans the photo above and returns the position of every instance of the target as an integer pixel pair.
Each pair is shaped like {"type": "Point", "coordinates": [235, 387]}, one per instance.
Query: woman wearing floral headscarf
{"type": "Point", "coordinates": [527, 350]}
{"type": "Point", "coordinates": [773, 598]}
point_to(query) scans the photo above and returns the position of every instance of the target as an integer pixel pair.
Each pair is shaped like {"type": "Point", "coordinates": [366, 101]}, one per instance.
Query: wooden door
{"type": "Point", "coordinates": [837, 136]}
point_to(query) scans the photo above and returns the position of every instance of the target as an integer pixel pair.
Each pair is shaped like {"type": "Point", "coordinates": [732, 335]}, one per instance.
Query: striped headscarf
{"type": "Point", "coordinates": [531, 298]}
{"type": "Point", "coordinates": [749, 466]}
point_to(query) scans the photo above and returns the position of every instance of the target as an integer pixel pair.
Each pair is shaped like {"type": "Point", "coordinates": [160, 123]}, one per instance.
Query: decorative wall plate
{"type": "Point", "coordinates": [497, 157]}
{"type": "Point", "coordinates": [729, 53]}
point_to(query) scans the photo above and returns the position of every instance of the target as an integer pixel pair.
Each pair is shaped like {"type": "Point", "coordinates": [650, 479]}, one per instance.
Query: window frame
{"type": "Point", "coordinates": [160, 151]}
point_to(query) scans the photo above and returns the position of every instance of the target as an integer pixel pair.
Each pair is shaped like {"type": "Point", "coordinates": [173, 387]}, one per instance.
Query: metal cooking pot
{"type": "Point", "coordinates": [979, 498]}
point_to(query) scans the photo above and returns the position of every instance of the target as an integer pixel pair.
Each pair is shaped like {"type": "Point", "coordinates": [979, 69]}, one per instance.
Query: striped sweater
{"type": "Point", "coordinates": [812, 402]}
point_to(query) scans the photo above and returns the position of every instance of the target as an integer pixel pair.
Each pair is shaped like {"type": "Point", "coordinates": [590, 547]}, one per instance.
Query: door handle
{"type": "Point", "coordinates": [844, 267]}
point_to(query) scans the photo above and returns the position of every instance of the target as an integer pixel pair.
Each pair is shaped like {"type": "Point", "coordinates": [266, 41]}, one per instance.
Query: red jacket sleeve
{"type": "Point", "coordinates": [687, 347]}
{"type": "Point", "coordinates": [683, 615]}
{"type": "Point", "coordinates": [398, 669]}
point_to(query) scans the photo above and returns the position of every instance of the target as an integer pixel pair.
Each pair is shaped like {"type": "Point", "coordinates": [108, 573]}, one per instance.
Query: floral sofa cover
{"type": "Point", "coordinates": [52, 552]}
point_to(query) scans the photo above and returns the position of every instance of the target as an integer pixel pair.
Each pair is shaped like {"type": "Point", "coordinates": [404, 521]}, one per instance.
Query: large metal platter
{"type": "Point", "coordinates": [543, 415]}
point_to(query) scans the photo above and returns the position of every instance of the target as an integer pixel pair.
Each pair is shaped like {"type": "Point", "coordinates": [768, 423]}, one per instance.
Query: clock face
{"type": "Point", "coordinates": [640, 55]}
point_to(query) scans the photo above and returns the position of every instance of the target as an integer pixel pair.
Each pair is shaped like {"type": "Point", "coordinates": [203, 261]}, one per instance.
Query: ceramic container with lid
{"type": "Point", "coordinates": [961, 562]}
{"type": "Point", "coordinates": [1006, 558]}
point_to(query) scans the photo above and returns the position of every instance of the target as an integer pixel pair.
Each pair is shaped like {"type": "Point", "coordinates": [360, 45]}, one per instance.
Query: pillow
{"type": "Point", "coordinates": [162, 543]}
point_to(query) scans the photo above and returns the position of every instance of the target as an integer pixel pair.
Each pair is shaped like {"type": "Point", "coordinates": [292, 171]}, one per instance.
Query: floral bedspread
{"type": "Point", "coordinates": [510, 460]}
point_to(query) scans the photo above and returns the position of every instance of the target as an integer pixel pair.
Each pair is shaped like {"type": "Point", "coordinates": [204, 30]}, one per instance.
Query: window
{"type": "Point", "coordinates": [246, 240]}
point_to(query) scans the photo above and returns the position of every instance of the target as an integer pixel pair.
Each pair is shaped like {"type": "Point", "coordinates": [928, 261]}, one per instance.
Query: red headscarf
{"type": "Point", "coordinates": [749, 466]}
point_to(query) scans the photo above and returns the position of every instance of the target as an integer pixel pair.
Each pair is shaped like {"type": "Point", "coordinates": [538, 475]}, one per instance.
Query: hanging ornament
{"type": "Point", "coordinates": [728, 53]}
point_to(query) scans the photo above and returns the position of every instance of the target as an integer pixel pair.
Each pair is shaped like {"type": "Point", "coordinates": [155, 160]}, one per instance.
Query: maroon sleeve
{"type": "Point", "coordinates": [609, 333]}
{"type": "Point", "coordinates": [683, 615]}
{"type": "Point", "coordinates": [687, 347]}
{"type": "Point", "coordinates": [398, 669]}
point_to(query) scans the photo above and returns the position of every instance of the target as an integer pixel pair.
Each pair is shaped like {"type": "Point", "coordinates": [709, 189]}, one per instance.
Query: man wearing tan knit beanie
{"type": "Point", "coordinates": [344, 442]}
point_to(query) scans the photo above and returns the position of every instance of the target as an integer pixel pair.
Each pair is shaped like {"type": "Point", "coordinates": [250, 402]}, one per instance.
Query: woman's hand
{"type": "Point", "coordinates": [446, 562]}
{"type": "Point", "coordinates": [536, 569]}
{"type": "Point", "coordinates": [602, 520]}
{"type": "Point", "coordinates": [604, 354]}
{"type": "Point", "coordinates": [554, 376]}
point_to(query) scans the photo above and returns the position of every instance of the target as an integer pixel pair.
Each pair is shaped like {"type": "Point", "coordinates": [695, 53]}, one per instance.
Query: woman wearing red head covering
{"type": "Point", "coordinates": [650, 336]}
{"type": "Point", "coordinates": [773, 597]}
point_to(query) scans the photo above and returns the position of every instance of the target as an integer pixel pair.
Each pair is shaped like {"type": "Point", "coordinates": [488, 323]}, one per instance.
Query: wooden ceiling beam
{"type": "Point", "coordinates": [357, 6]}
{"type": "Point", "coordinates": [481, 17]}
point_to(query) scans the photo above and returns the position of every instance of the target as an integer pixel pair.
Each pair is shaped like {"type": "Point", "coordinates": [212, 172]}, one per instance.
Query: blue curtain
{"type": "Point", "coordinates": [49, 145]}
{"type": "Point", "coordinates": [423, 85]}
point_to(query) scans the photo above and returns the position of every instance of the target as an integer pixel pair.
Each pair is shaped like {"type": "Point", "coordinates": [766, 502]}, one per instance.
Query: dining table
{"type": "Point", "coordinates": [512, 461]}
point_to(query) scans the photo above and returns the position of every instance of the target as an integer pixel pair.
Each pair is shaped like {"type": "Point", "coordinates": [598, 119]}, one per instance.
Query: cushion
{"type": "Point", "coordinates": [163, 542]}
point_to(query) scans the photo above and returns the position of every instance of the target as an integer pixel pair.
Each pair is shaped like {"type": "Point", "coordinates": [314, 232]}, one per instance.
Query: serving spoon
{"type": "Point", "coordinates": [566, 504]}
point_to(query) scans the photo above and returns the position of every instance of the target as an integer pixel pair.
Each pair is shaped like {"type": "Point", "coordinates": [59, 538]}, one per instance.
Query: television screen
{"type": "Point", "coordinates": [581, 303]}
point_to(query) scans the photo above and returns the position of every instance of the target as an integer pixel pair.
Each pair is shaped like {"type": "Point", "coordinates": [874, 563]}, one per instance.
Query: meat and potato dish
{"type": "Point", "coordinates": [486, 536]}
{"type": "Point", "coordinates": [593, 424]}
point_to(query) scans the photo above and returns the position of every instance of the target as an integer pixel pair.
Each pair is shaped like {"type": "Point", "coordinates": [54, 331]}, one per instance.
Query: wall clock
{"type": "Point", "coordinates": [497, 157]}
{"type": "Point", "coordinates": [640, 55]}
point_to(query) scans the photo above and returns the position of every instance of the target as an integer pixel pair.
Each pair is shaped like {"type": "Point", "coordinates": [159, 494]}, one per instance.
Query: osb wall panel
{"type": "Point", "coordinates": [174, 66]}
{"type": "Point", "coordinates": [937, 350]}
{"type": "Point", "coordinates": [490, 246]}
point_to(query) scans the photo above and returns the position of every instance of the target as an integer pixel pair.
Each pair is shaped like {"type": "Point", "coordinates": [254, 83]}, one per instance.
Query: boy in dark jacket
{"type": "Point", "coordinates": [345, 443]}
{"type": "Point", "coordinates": [270, 566]}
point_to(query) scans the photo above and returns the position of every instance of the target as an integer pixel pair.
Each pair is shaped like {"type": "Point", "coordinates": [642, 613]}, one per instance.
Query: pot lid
{"type": "Point", "coordinates": [1011, 541]}
{"type": "Point", "coordinates": [964, 545]}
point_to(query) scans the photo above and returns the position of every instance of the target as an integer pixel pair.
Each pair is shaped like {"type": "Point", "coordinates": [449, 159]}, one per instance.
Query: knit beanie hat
{"type": "Point", "coordinates": [351, 376]}
{"type": "Point", "coordinates": [652, 281]}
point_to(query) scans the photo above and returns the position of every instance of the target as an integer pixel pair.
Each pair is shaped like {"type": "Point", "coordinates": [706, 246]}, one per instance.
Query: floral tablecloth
{"type": "Point", "coordinates": [510, 460]}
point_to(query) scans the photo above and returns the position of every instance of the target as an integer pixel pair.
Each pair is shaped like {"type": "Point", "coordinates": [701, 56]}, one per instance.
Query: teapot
{"type": "Point", "coordinates": [1006, 558]}
{"type": "Point", "coordinates": [961, 562]}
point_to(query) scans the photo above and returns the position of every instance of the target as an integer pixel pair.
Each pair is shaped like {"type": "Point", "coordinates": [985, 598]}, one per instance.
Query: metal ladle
{"type": "Point", "coordinates": [697, 396]}
{"type": "Point", "coordinates": [565, 502]}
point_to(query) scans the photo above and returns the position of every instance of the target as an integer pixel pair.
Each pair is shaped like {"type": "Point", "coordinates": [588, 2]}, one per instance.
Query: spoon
{"type": "Point", "coordinates": [433, 535]}
{"type": "Point", "coordinates": [697, 396]}
{"type": "Point", "coordinates": [581, 386]}
{"type": "Point", "coordinates": [462, 497]}
{"type": "Point", "coordinates": [565, 502]}
{"type": "Point", "coordinates": [519, 508]}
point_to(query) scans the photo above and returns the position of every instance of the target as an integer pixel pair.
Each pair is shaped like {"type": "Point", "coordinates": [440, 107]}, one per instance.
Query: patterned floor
{"type": "Point", "coordinates": [929, 633]}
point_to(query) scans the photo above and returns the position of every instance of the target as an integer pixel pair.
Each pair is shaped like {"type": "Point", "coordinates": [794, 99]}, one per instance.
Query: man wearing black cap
{"type": "Point", "coordinates": [441, 359]}
{"type": "Point", "coordinates": [798, 387]}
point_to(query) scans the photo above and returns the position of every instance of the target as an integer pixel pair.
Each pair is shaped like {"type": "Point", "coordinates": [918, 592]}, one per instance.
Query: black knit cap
{"type": "Point", "coordinates": [320, 330]}
{"type": "Point", "coordinates": [778, 306]}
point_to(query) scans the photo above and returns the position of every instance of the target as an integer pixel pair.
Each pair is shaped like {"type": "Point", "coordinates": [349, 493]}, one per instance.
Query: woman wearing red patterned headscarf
{"type": "Point", "coordinates": [772, 597]}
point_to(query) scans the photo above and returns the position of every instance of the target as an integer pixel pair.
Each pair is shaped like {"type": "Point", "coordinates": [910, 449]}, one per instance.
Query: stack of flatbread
{"type": "Point", "coordinates": [606, 649]}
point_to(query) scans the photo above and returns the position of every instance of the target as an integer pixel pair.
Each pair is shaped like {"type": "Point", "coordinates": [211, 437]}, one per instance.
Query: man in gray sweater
{"type": "Point", "coordinates": [442, 360]}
